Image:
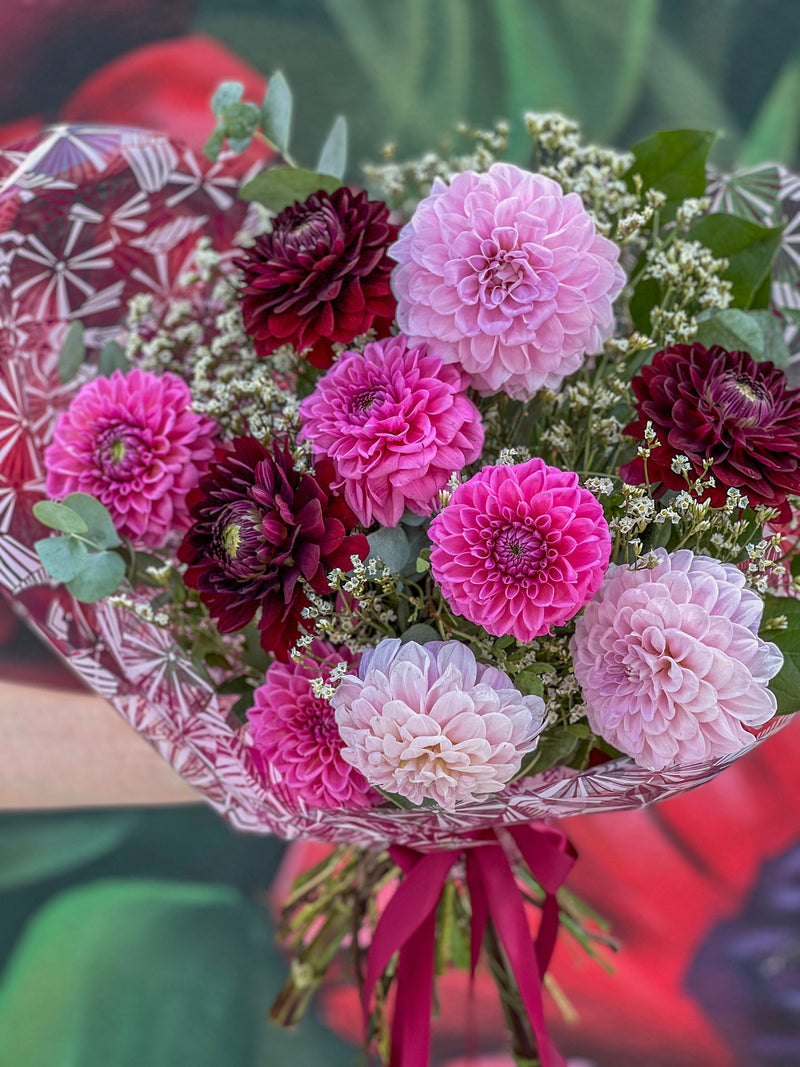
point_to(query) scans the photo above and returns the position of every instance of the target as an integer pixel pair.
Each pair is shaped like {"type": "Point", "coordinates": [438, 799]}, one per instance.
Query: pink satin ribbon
{"type": "Point", "coordinates": [408, 926]}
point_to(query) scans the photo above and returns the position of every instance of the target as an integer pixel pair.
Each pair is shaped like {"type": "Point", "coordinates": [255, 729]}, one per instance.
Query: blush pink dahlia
{"type": "Point", "coordinates": [133, 442]}
{"type": "Point", "coordinates": [428, 722]}
{"type": "Point", "coordinates": [506, 276]}
{"type": "Point", "coordinates": [670, 661]}
{"type": "Point", "coordinates": [396, 423]}
{"type": "Point", "coordinates": [296, 732]}
{"type": "Point", "coordinates": [520, 549]}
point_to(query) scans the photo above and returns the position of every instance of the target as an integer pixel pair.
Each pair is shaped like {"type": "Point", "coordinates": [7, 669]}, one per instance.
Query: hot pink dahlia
{"type": "Point", "coordinates": [133, 442]}
{"type": "Point", "coordinates": [520, 549]}
{"type": "Point", "coordinates": [506, 276]}
{"type": "Point", "coordinates": [670, 661]}
{"type": "Point", "coordinates": [428, 722]}
{"type": "Point", "coordinates": [296, 732]}
{"type": "Point", "coordinates": [396, 423]}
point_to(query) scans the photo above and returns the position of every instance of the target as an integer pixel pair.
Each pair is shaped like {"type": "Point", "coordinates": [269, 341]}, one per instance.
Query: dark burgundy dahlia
{"type": "Point", "coordinates": [258, 528]}
{"type": "Point", "coordinates": [723, 406]}
{"type": "Point", "coordinates": [321, 276]}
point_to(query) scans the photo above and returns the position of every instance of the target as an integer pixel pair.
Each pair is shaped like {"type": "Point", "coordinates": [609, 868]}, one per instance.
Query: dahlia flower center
{"type": "Point", "coordinates": [119, 452]}
{"type": "Point", "coordinates": [740, 399]}
{"type": "Point", "coordinates": [364, 400]}
{"type": "Point", "coordinates": [239, 541]}
{"type": "Point", "coordinates": [307, 232]}
{"type": "Point", "coordinates": [519, 551]}
{"type": "Point", "coordinates": [510, 276]}
{"type": "Point", "coordinates": [318, 722]}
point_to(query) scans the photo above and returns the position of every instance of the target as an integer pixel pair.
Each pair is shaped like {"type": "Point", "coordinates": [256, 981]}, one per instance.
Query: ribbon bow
{"type": "Point", "coordinates": [408, 925]}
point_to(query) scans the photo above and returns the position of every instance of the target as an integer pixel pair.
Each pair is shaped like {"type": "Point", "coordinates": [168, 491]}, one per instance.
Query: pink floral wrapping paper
{"type": "Point", "coordinates": [89, 216]}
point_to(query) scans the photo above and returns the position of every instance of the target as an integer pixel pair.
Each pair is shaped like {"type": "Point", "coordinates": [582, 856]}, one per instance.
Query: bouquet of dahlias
{"type": "Point", "coordinates": [407, 520]}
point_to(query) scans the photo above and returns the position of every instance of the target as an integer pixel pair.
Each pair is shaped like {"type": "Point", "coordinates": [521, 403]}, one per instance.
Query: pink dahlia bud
{"type": "Point", "coordinates": [711, 404]}
{"type": "Point", "coordinates": [428, 722]}
{"type": "Point", "coordinates": [321, 275]}
{"type": "Point", "coordinates": [133, 442]}
{"type": "Point", "coordinates": [520, 549]}
{"type": "Point", "coordinates": [670, 661]}
{"type": "Point", "coordinates": [296, 732]}
{"type": "Point", "coordinates": [396, 424]}
{"type": "Point", "coordinates": [506, 276]}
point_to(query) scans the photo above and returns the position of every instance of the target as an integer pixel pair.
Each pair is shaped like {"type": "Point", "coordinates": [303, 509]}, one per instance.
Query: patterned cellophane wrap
{"type": "Point", "coordinates": [89, 216]}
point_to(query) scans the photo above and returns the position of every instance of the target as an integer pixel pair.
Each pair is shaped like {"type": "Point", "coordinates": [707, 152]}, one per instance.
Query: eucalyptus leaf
{"type": "Point", "coordinates": [333, 157]}
{"type": "Point", "coordinates": [391, 545]}
{"type": "Point", "coordinates": [241, 120]}
{"type": "Point", "coordinates": [101, 576]}
{"type": "Point", "coordinates": [276, 112]}
{"type": "Point", "coordinates": [98, 522]}
{"type": "Point", "coordinates": [278, 188]}
{"type": "Point", "coordinates": [673, 161]}
{"type": "Point", "coordinates": [73, 353]}
{"type": "Point", "coordinates": [239, 144]}
{"type": "Point", "coordinates": [756, 332]}
{"type": "Point", "coordinates": [228, 93]}
{"type": "Point", "coordinates": [213, 146]}
{"type": "Point", "coordinates": [421, 633]}
{"type": "Point", "coordinates": [750, 250]}
{"type": "Point", "coordinates": [62, 557]}
{"type": "Point", "coordinates": [112, 357]}
{"type": "Point", "coordinates": [60, 517]}
{"type": "Point", "coordinates": [786, 683]}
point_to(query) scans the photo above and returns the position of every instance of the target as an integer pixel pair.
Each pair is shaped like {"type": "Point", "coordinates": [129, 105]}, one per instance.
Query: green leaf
{"type": "Point", "coordinates": [756, 332]}
{"type": "Point", "coordinates": [213, 146]}
{"type": "Point", "coordinates": [112, 357]}
{"type": "Point", "coordinates": [35, 847]}
{"type": "Point", "coordinates": [774, 134]}
{"type": "Point", "coordinates": [333, 157]}
{"type": "Point", "coordinates": [61, 517]}
{"type": "Point", "coordinates": [73, 353]}
{"type": "Point", "coordinates": [140, 973]}
{"type": "Point", "coordinates": [421, 633]}
{"type": "Point", "coordinates": [99, 524]}
{"type": "Point", "coordinates": [101, 576]}
{"type": "Point", "coordinates": [62, 557]}
{"type": "Point", "coordinates": [276, 112]}
{"type": "Point", "coordinates": [645, 297]}
{"type": "Point", "coordinates": [675, 163]}
{"type": "Point", "coordinates": [391, 545]}
{"type": "Point", "coordinates": [750, 250]}
{"type": "Point", "coordinates": [554, 748]}
{"type": "Point", "coordinates": [241, 120]}
{"type": "Point", "coordinates": [239, 144]}
{"type": "Point", "coordinates": [228, 93]}
{"type": "Point", "coordinates": [786, 684]}
{"type": "Point", "coordinates": [278, 188]}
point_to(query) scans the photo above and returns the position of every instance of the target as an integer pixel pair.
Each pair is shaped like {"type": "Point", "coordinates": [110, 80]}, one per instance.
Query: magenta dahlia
{"type": "Point", "coordinates": [259, 530]}
{"type": "Point", "coordinates": [133, 442]}
{"type": "Point", "coordinates": [711, 404]}
{"type": "Point", "coordinates": [396, 423]}
{"type": "Point", "coordinates": [670, 662]}
{"type": "Point", "coordinates": [504, 275]}
{"type": "Point", "coordinates": [320, 276]}
{"type": "Point", "coordinates": [296, 732]}
{"type": "Point", "coordinates": [520, 549]}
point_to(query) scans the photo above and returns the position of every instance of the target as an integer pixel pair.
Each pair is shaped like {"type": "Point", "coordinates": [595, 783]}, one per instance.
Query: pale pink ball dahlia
{"type": "Point", "coordinates": [520, 549]}
{"type": "Point", "coordinates": [670, 661]}
{"type": "Point", "coordinates": [133, 442]}
{"type": "Point", "coordinates": [428, 722]}
{"type": "Point", "coordinates": [506, 276]}
{"type": "Point", "coordinates": [296, 732]}
{"type": "Point", "coordinates": [396, 423]}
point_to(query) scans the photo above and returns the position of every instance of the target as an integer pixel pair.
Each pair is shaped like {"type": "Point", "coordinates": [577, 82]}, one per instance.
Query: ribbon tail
{"type": "Point", "coordinates": [480, 910]}
{"type": "Point", "coordinates": [411, 1026]}
{"type": "Point", "coordinates": [507, 913]}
